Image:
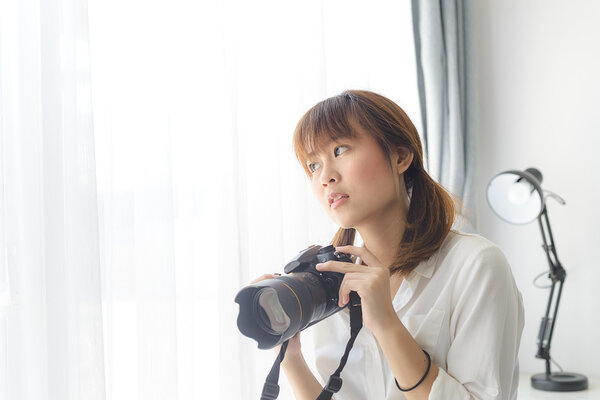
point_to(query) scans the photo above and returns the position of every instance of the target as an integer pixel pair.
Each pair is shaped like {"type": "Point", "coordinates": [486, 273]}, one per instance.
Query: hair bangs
{"type": "Point", "coordinates": [327, 121]}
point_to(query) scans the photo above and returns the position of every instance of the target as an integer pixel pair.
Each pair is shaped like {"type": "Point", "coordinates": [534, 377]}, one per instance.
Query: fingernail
{"type": "Point", "coordinates": [318, 266]}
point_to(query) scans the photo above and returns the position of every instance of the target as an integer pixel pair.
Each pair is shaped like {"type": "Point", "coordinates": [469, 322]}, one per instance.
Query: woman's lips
{"type": "Point", "coordinates": [338, 203]}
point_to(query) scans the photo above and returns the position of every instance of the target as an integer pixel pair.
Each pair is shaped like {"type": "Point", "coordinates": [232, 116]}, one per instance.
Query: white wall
{"type": "Point", "coordinates": [538, 98]}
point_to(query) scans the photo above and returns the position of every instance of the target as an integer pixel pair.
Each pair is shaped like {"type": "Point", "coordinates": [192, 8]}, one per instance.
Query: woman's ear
{"type": "Point", "coordinates": [403, 158]}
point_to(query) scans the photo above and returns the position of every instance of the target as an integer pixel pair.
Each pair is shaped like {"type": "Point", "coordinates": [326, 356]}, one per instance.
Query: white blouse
{"type": "Point", "coordinates": [462, 306]}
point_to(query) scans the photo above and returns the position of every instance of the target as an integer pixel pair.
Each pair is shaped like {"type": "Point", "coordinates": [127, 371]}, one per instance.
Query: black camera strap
{"type": "Point", "coordinates": [334, 384]}
{"type": "Point", "coordinates": [271, 387]}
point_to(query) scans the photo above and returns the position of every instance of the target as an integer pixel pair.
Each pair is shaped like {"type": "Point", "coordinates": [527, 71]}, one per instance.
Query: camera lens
{"type": "Point", "coordinates": [271, 316]}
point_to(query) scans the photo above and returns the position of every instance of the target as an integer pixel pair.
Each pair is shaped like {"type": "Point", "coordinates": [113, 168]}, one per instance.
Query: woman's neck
{"type": "Point", "coordinates": [382, 235]}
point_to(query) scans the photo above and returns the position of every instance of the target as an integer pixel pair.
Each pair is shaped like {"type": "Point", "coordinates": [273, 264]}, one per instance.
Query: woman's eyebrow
{"type": "Point", "coordinates": [336, 141]}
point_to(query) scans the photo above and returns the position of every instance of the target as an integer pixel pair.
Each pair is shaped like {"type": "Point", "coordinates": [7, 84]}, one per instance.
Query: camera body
{"type": "Point", "coordinates": [307, 260]}
{"type": "Point", "coordinates": [274, 310]}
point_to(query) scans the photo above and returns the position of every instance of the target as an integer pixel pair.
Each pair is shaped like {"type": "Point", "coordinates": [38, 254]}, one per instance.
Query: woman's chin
{"type": "Point", "coordinates": [344, 223]}
{"type": "Point", "coordinates": [341, 220]}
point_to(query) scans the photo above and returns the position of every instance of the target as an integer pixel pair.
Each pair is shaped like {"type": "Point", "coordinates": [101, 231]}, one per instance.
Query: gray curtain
{"type": "Point", "coordinates": [441, 31]}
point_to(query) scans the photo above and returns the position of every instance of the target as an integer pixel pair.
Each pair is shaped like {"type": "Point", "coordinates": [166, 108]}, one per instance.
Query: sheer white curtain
{"type": "Point", "coordinates": [197, 187]}
{"type": "Point", "coordinates": [51, 320]}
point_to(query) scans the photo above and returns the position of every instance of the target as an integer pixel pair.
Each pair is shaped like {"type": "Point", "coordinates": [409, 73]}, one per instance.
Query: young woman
{"type": "Point", "coordinates": [442, 314]}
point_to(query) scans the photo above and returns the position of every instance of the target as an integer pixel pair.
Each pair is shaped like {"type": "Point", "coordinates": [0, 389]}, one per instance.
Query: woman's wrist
{"type": "Point", "coordinates": [388, 325]}
{"type": "Point", "coordinates": [292, 360]}
{"type": "Point", "coordinates": [407, 359]}
{"type": "Point", "coordinates": [302, 380]}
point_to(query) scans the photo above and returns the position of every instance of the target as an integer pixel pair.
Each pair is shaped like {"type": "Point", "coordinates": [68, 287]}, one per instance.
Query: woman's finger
{"type": "Point", "coordinates": [339, 266]}
{"type": "Point", "coordinates": [361, 252]}
{"type": "Point", "coordinates": [263, 277]}
{"type": "Point", "coordinates": [342, 293]}
{"type": "Point", "coordinates": [346, 287]}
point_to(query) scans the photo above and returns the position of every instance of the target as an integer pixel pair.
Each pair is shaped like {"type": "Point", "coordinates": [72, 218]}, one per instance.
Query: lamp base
{"type": "Point", "coordinates": [559, 382]}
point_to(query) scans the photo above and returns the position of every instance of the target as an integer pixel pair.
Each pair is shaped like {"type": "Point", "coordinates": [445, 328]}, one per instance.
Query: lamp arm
{"type": "Point", "coordinates": [558, 275]}
{"type": "Point", "coordinates": [557, 271]}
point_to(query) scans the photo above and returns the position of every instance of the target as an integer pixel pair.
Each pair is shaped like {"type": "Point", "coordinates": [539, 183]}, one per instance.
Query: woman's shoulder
{"type": "Point", "coordinates": [465, 252]}
{"type": "Point", "coordinates": [460, 240]}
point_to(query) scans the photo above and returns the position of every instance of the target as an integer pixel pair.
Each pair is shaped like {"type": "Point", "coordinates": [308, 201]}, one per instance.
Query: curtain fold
{"type": "Point", "coordinates": [51, 331]}
{"type": "Point", "coordinates": [442, 44]}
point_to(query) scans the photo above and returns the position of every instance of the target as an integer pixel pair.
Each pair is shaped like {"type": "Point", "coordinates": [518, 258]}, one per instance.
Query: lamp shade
{"type": "Point", "coordinates": [516, 196]}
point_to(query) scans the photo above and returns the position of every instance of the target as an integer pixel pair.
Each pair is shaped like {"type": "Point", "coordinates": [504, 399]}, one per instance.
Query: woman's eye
{"type": "Point", "coordinates": [338, 148]}
{"type": "Point", "coordinates": [334, 152]}
{"type": "Point", "coordinates": [310, 168]}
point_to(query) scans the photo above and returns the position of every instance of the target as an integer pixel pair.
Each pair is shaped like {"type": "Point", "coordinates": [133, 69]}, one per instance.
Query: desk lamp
{"type": "Point", "coordinates": [517, 198]}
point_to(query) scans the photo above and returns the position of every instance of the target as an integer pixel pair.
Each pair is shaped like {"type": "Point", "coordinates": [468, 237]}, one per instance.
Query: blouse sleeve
{"type": "Point", "coordinates": [485, 327]}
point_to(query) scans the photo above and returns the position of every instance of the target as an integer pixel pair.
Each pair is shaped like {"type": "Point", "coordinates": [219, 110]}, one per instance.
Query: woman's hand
{"type": "Point", "coordinates": [294, 349]}
{"type": "Point", "coordinates": [370, 281]}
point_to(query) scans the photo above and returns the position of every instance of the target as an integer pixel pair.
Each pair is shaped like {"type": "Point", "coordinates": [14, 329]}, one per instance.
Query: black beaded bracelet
{"type": "Point", "coordinates": [422, 379]}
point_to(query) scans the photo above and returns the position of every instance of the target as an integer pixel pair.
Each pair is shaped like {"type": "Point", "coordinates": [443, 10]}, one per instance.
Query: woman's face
{"type": "Point", "coordinates": [358, 168]}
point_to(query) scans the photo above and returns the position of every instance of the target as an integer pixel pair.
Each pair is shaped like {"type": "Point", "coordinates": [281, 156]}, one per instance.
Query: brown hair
{"type": "Point", "coordinates": [432, 208]}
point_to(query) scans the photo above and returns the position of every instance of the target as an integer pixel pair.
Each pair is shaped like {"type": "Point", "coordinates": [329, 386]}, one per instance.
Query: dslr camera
{"type": "Point", "coordinates": [274, 310]}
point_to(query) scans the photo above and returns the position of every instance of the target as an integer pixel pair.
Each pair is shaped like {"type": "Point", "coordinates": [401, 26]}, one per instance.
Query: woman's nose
{"type": "Point", "coordinates": [328, 175]}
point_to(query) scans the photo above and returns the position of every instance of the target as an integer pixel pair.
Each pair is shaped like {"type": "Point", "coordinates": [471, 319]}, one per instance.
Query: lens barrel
{"type": "Point", "coordinates": [274, 310]}
{"type": "Point", "coordinates": [300, 297]}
